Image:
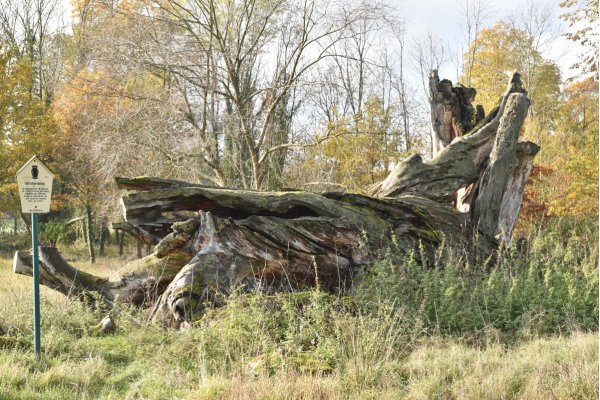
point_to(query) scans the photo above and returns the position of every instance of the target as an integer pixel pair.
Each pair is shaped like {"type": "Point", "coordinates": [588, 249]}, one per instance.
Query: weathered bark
{"type": "Point", "coordinates": [298, 250]}
{"type": "Point", "coordinates": [210, 240]}
{"type": "Point", "coordinates": [454, 167]}
{"type": "Point", "coordinates": [452, 114]}
{"type": "Point", "coordinates": [502, 164]}
{"type": "Point", "coordinates": [512, 198]}
{"type": "Point", "coordinates": [152, 183]}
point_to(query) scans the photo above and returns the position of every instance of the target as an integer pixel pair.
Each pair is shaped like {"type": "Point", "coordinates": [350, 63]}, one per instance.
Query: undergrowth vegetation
{"type": "Point", "coordinates": [523, 326]}
{"type": "Point", "coordinates": [545, 284]}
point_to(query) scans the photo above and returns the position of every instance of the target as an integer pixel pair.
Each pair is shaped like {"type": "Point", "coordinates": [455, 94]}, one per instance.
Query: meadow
{"type": "Point", "coordinates": [522, 328]}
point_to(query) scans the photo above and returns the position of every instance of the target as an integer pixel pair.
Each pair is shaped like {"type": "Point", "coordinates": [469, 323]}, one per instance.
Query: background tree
{"type": "Point", "coordinates": [504, 48]}
{"type": "Point", "coordinates": [30, 53]}
{"type": "Point", "coordinates": [583, 16]}
{"type": "Point", "coordinates": [572, 153]}
{"type": "Point", "coordinates": [234, 84]}
{"type": "Point", "coordinates": [34, 30]}
{"type": "Point", "coordinates": [474, 16]}
{"type": "Point", "coordinates": [27, 126]}
{"type": "Point", "coordinates": [360, 151]}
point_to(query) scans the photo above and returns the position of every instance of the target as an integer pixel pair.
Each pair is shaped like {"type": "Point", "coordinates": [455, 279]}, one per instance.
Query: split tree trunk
{"type": "Point", "coordinates": [208, 240]}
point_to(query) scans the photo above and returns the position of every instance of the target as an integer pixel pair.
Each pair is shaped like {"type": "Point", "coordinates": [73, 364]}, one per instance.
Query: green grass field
{"type": "Point", "coordinates": [150, 363]}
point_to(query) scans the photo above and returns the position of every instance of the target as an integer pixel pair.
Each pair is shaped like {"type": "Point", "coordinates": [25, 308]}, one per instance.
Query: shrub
{"type": "Point", "coordinates": [547, 285]}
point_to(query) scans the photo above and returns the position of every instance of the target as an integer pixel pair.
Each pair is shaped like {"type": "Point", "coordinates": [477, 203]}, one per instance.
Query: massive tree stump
{"type": "Point", "coordinates": [209, 240]}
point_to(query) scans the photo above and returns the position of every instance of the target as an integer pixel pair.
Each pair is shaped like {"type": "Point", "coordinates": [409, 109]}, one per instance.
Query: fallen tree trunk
{"type": "Point", "coordinates": [209, 240]}
{"type": "Point", "coordinates": [57, 274]}
{"type": "Point", "coordinates": [139, 283]}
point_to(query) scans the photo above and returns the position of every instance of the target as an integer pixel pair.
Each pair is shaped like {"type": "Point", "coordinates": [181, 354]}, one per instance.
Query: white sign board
{"type": "Point", "coordinates": [35, 187]}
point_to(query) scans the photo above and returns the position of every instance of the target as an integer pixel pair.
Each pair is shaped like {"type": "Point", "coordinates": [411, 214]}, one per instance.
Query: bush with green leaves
{"type": "Point", "coordinates": [53, 231]}
{"type": "Point", "coordinates": [547, 285]}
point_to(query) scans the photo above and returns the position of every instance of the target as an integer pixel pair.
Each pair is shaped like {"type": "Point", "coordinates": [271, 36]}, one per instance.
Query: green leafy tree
{"type": "Point", "coordinates": [566, 182]}
{"type": "Point", "coordinates": [573, 152]}
{"type": "Point", "coordinates": [359, 151]}
{"type": "Point", "coordinates": [498, 51]}
{"type": "Point", "coordinates": [27, 125]}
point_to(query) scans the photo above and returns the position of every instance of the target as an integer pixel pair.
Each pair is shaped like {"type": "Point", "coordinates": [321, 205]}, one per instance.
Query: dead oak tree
{"type": "Point", "coordinates": [210, 239]}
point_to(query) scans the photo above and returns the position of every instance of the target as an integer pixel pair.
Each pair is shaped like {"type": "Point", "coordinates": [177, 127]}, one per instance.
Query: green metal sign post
{"type": "Point", "coordinates": [35, 191]}
{"type": "Point", "coordinates": [36, 284]}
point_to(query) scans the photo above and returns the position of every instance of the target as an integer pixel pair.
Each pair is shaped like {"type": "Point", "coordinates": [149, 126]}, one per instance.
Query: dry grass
{"type": "Point", "coordinates": [16, 291]}
{"type": "Point", "coordinates": [558, 368]}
